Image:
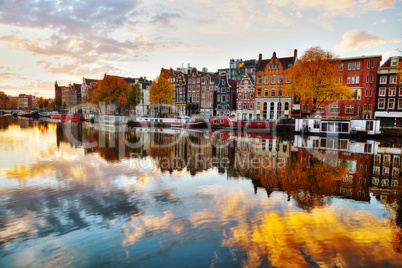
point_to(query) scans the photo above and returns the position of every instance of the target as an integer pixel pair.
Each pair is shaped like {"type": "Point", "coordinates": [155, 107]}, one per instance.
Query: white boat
{"type": "Point", "coordinates": [359, 127]}
{"type": "Point", "coordinates": [158, 121]}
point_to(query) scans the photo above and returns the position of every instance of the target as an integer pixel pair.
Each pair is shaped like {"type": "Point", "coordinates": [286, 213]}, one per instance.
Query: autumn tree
{"type": "Point", "coordinates": [4, 100]}
{"type": "Point", "coordinates": [135, 96]}
{"type": "Point", "coordinates": [111, 89]}
{"type": "Point", "coordinates": [41, 102]}
{"type": "Point", "coordinates": [161, 91]}
{"type": "Point", "coordinates": [14, 103]}
{"type": "Point", "coordinates": [316, 75]}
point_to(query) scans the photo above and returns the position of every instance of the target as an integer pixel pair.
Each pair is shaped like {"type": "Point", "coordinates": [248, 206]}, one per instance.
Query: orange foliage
{"type": "Point", "coordinates": [111, 89]}
{"type": "Point", "coordinates": [316, 74]}
{"type": "Point", "coordinates": [161, 90]}
{"type": "Point", "coordinates": [310, 185]}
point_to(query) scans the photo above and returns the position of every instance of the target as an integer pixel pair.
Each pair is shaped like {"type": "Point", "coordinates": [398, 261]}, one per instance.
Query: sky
{"type": "Point", "coordinates": [42, 41]}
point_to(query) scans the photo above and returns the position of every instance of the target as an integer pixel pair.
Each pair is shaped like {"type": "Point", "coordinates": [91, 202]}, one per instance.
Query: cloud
{"type": "Point", "coordinates": [335, 8]}
{"type": "Point", "coordinates": [354, 39]}
{"type": "Point", "coordinates": [11, 76]}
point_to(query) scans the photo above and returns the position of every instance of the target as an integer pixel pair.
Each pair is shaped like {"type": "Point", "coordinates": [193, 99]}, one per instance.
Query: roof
{"type": "Point", "coordinates": [285, 62]}
{"type": "Point", "coordinates": [387, 63]}
{"type": "Point", "coordinates": [362, 57]}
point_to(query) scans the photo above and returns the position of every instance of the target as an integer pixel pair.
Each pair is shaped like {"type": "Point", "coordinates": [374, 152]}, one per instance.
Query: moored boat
{"type": "Point", "coordinates": [166, 121]}
{"type": "Point", "coordinates": [350, 127]}
{"type": "Point", "coordinates": [231, 122]}
{"type": "Point", "coordinates": [66, 117]}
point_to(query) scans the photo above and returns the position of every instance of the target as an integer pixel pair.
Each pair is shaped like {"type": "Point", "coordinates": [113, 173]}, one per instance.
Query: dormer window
{"type": "Point", "coordinates": [223, 82]}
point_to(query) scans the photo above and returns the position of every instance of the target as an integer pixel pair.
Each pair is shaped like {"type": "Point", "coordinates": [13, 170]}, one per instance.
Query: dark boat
{"type": "Point", "coordinates": [34, 114]}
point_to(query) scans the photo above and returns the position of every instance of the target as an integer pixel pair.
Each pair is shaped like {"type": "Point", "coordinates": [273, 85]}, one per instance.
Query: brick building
{"type": "Point", "coordinates": [271, 77]}
{"type": "Point", "coordinates": [226, 93]}
{"type": "Point", "coordinates": [388, 103]}
{"type": "Point", "coordinates": [208, 83]}
{"type": "Point", "coordinates": [245, 98]}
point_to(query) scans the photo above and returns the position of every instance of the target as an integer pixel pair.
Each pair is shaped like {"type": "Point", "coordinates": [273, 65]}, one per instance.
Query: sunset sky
{"type": "Point", "coordinates": [46, 40]}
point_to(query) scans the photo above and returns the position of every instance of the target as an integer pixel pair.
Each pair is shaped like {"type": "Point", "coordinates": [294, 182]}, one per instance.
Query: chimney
{"type": "Point", "coordinates": [274, 55]}
{"type": "Point", "coordinates": [260, 57]}
{"type": "Point", "coordinates": [295, 54]}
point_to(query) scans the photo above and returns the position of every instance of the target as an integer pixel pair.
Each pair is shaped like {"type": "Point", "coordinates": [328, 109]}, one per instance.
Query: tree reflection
{"type": "Point", "coordinates": [311, 182]}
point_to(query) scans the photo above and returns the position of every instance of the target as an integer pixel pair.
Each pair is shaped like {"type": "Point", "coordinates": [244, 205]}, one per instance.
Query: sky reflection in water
{"type": "Point", "coordinates": [64, 205]}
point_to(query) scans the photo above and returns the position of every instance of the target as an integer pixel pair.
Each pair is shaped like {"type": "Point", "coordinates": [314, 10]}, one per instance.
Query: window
{"type": "Point", "coordinates": [334, 109]}
{"type": "Point", "coordinates": [273, 79]}
{"type": "Point", "coordinates": [369, 125]}
{"type": "Point", "coordinates": [223, 90]}
{"type": "Point", "coordinates": [272, 92]}
{"type": "Point", "coordinates": [209, 103]}
{"type": "Point", "coordinates": [349, 66]}
{"type": "Point", "coordinates": [348, 80]}
{"type": "Point", "coordinates": [198, 79]}
{"type": "Point", "coordinates": [399, 103]}
{"type": "Point", "coordinates": [189, 98]}
{"type": "Point", "coordinates": [366, 92]}
{"type": "Point", "coordinates": [371, 79]}
{"type": "Point", "coordinates": [280, 92]}
{"type": "Point", "coordinates": [209, 95]}
{"type": "Point", "coordinates": [251, 106]}
{"type": "Point", "coordinates": [383, 79]}
{"type": "Point", "coordinates": [349, 109]}
{"type": "Point", "coordinates": [198, 88]}
{"type": "Point", "coordinates": [239, 106]}
{"type": "Point", "coordinates": [259, 92]}
{"type": "Point", "coordinates": [203, 104]}
{"type": "Point", "coordinates": [357, 79]}
{"type": "Point", "coordinates": [219, 98]}
{"type": "Point", "coordinates": [391, 103]}
{"type": "Point", "coordinates": [371, 92]}
{"type": "Point", "coordinates": [368, 64]}
{"type": "Point", "coordinates": [280, 79]}
{"type": "Point", "coordinates": [354, 66]}
{"type": "Point", "coordinates": [245, 85]}
{"type": "Point", "coordinates": [340, 80]}
{"type": "Point", "coordinates": [239, 97]}
{"type": "Point", "coordinates": [259, 79]}
{"type": "Point", "coordinates": [358, 66]}
{"type": "Point", "coordinates": [392, 80]}
{"type": "Point", "coordinates": [372, 64]}
{"type": "Point", "coordinates": [266, 79]}
{"type": "Point", "coordinates": [287, 80]}
{"type": "Point", "coordinates": [400, 91]}
{"type": "Point", "coordinates": [382, 91]}
{"type": "Point", "coordinates": [341, 67]}
{"type": "Point", "coordinates": [392, 92]}
{"type": "Point", "coordinates": [251, 95]}
{"type": "Point", "coordinates": [203, 95]}
{"type": "Point", "coordinates": [245, 106]}
{"type": "Point", "coordinates": [245, 96]}
{"type": "Point", "coordinates": [353, 79]}
{"type": "Point", "coordinates": [381, 103]}
{"type": "Point", "coordinates": [367, 79]}
{"type": "Point", "coordinates": [316, 124]}
{"type": "Point", "coordinates": [223, 98]}
{"type": "Point", "coordinates": [265, 92]}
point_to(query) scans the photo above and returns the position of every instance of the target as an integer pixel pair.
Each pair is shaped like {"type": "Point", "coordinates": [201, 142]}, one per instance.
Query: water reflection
{"type": "Point", "coordinates": [79, 194]}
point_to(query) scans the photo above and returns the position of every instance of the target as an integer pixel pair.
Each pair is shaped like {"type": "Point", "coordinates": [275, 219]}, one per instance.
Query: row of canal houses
{"type": "Point", "coordinates": [253, 90]}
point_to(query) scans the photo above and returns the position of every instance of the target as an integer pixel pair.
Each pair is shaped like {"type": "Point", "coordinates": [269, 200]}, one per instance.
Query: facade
{"type": "Point", "coordinates": [68, 97]}
{"type": "Point", "coordinates": [180, 84]}
{"type": "Point", "coordinates": [238, 68]}
{"type": "Point", "coordinates": [245, 98]}
{"type": "Point", "coordinates": [87, 87]}
{"type": "Point", "coordinates": [194, 92]}
{"type": "Point", "coordinates": [171, 75]}
{"type": "Point", "coordinates": [359, 74]}
{"type": "Point", "coordinates": [271, 77]}
{"type": "Point", "coordinates": [208, 83]}
{"type": "Point", "coordinates": [388, 103]}
{"type": "Point", "coordinates": [225, 91]}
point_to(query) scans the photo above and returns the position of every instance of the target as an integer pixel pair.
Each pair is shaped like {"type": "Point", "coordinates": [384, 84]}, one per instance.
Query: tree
{"type": "Point", "coordinates": [14, 103]}
{"type": "Point", "coordinates": [316, 75]}
{"type": "Point", "coordinates": [135, 96]}
{"type": "Point", "coordinates": [161, 91]}
{"type": "Point", "coordinates": [111, 89]}
{"type": "Point", "coordinates": [41, 102]}
{"type": "Point", "coordinates": [57, 101]}
{"type": "Point", "coordinates": [4, 100]}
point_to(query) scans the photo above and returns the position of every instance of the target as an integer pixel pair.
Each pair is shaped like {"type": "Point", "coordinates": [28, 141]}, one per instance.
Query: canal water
{"type": "Point", "coordinates": [85, 195]}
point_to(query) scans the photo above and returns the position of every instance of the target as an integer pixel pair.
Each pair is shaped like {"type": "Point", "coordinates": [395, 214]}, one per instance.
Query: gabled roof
{"type": "Point", "coordinates": [286, 62]}
{"type": "Point", "coordinates": [387, 63]}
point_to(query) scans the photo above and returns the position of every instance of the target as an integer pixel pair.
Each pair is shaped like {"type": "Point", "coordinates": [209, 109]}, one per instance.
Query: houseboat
{"type": "Point", "coordinates": [110, 119]}
{"type": "Point", "coordinates": [354, 127]}
{"type": "Point", "coordinates": [65, 117]}
{"type": "Point", "coordinates": [166, 121]}
{"type": "Point", "coordinates": [195, 121]}
{"type": "Point", "coordinates": [231, 122]}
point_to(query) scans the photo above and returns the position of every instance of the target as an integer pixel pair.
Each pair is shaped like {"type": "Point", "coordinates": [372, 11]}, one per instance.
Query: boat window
{"type": "Point", "coordinates": [316, 123]}
{"type": "Point", "coordinates": [324, 127]}
{"type": "Point", "coordinates": [343, 144]}
{"type": "Point", "coordinates": [323, 143]}
{"type": "Point", "coordinates": [369, 125]}
{"type": "Point", "coordinates": [331, 127]}
{"type": "Point", "coordinates": [305, 123]}
{"type": "Point", "coordinates": [345, 128]}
